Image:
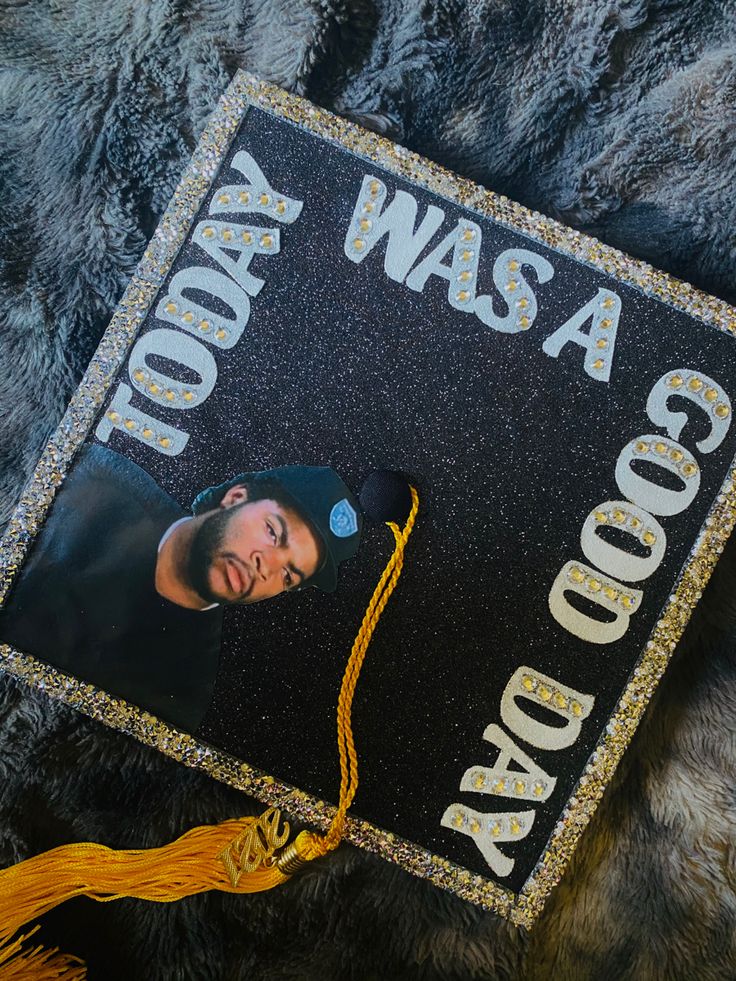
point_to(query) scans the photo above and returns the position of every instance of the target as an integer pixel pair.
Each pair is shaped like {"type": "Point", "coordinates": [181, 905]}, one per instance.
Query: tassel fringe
{"type": "Point", "coordinates": [21, 964]}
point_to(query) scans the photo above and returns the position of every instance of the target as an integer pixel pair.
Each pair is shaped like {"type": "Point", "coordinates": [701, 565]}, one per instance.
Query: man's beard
{"type": "Point", "coordinates": [203, 550]}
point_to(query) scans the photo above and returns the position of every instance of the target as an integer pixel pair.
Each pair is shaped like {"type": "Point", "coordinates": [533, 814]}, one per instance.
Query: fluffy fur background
{"type": "Point", "coordinates": [618, 116]}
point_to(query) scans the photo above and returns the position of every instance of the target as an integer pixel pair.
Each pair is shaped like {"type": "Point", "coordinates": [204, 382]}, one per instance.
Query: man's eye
{"type": "Point", "coordinates": [288, 579]}
{"type": "Point", "coordinates": [272, 532]}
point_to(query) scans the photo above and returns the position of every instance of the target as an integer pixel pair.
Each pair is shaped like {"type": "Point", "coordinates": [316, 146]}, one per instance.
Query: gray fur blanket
{"type": "Point", "coordinates": [617, 116]}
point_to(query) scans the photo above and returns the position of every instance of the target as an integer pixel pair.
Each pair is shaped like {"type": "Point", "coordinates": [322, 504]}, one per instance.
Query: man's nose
{"type": "Point", "coordinates": [266, 564]}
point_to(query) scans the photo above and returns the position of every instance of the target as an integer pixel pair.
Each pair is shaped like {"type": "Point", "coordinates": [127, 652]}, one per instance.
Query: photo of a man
{"type": "Point", "coordinates": [125, 588]}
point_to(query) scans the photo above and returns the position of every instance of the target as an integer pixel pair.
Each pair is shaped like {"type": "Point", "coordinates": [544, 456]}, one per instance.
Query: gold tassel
{"type": "Point", "coordinates": [17, 964]}
{"type": "Point", "coordinates": [241, 856]}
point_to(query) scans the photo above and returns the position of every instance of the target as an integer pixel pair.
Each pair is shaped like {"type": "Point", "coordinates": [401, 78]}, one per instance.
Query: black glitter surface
{"type": "Point", "coordinates": [510, 450]}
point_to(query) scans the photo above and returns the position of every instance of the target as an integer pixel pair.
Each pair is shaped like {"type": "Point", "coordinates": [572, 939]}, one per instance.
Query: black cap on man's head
{"type": "Point", "coordinates": [321, 498]}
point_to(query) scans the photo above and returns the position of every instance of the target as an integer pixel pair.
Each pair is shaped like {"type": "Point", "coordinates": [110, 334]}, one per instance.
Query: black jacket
{"type": "Point", "coordinates": [86, 603]}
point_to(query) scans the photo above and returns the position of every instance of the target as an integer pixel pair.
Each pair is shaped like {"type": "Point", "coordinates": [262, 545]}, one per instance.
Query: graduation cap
{"type": "Point", "coordinates": [317, 297]}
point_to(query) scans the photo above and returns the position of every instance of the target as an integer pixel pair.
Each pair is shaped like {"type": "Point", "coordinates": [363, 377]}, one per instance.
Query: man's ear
{"type": "Point", "coordinates": [235, 495]}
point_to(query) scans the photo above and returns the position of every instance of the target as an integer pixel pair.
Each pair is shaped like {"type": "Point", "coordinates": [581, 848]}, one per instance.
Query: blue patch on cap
{"type": "Point", "coordinates": [343, 519]}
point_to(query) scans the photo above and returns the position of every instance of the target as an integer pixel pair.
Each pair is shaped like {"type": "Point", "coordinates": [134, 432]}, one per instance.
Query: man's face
{"type": "Point", "coordinates": [246, 552]}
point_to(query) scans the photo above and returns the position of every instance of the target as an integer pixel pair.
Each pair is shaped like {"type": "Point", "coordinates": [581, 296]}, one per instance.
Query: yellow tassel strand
{"type": "Point", "coordinates": [239, 856]}
{"type": "Point", "coordinates": [17, 964]}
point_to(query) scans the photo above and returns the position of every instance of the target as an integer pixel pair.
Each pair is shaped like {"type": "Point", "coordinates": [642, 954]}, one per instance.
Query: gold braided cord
{"type": "Point", "coordinates": [345, 740]}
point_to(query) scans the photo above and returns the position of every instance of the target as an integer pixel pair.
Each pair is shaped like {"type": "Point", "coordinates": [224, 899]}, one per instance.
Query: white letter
{"type": "Point", "coordinates": [607, 593]}
{"type": "Point", "coordinates": [210, 326]}
{"type": "Point", "coordinates": [257, 196]}
{"type": "Point", "coordinates": [703, 392]}
{"type": "Point", "coordinates": [488, 829]}
{"type": "Point", "coordinates": [605, 309]}
{"type": "Point", "coordinates": [516, 292]}
{"type": "Point", "coordinates": [572, 706]}
{"type": "Point", "coordinates": [369, 224]}
{"type": "Point", "coordinates": [635, 522]}
{"type": "Point", "coordinates": [215, 237]}
{"type": "Point", "coordinates": [464, 241]}
{"type": "Point", "coordinates": [669, 455]}
{"type": "Point", "coordinates": [121, 415]}
{"type": "Point", "coordinates": [161, 388]}
{"type": "Point", "coordinates": [531, 784]}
